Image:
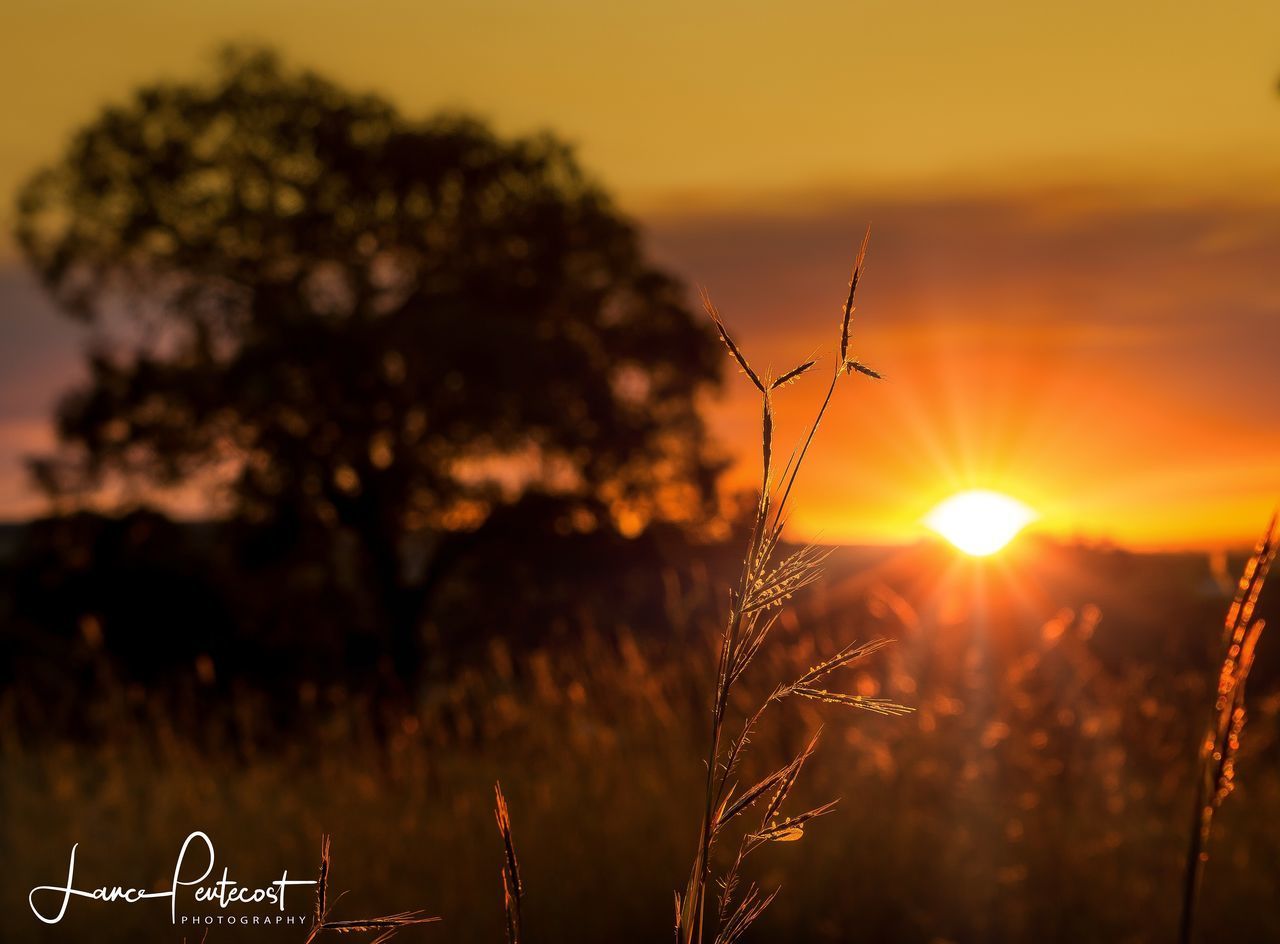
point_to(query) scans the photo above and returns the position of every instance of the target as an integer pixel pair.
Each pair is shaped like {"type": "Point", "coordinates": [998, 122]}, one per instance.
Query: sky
{"type": "Point", "coordinates": [1071, 286]}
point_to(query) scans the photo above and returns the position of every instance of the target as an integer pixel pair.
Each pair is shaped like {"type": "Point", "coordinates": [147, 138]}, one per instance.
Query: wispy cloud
{"type": "Point", "coordinates": [1094, 350]}
{"type": "Point", "coordinates": [1073, 344]}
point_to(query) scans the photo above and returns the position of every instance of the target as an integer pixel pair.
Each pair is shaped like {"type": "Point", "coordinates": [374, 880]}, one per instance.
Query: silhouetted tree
{"type": "Point", "coordinates": [362, 324]}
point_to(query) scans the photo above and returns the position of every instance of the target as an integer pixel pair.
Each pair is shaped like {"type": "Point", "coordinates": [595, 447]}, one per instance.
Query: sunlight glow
{"type": "Point", "coordinates": [980, 522]}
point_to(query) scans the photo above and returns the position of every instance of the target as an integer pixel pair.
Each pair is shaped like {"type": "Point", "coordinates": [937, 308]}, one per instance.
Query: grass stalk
{"type": "Point", "coordinates": [764, 585]}
{"type": "Point", "coordinates": [383, 928]}
{"type": "Point", "coordinates": [512, 885]}
{"type": "Point", "coordinates": [1216, 768]}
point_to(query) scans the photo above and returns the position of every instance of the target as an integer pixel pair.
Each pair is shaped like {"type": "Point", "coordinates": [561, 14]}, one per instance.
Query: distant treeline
{"type": "Point", "coordinates": [91, 606]}
{"type": "Point", "coordinates": [95, 608]}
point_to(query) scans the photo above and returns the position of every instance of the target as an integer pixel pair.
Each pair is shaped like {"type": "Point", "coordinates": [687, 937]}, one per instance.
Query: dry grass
{"type": "Point", "coordinates": [1042, 788]}
{"type": "Point", "coordinates": [384, 927]}
{"type": "Point", "coordinates": [1221, 742]}
{"type": "Point", "coordinates": [765, 584]}
{"type": "Point", "coordinates": [512, 885]}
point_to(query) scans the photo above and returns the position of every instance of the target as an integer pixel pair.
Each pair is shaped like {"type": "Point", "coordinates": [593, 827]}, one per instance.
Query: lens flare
{"type": "Point", "coordinates": [980, 522]}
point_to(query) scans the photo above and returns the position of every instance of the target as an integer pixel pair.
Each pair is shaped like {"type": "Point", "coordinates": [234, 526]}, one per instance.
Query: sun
{"type": "Point", "coordinates": [979, 522]}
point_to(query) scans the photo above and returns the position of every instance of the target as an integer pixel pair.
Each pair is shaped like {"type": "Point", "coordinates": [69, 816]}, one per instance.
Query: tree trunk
{"type": "Point", "coordinates": [404, 605]}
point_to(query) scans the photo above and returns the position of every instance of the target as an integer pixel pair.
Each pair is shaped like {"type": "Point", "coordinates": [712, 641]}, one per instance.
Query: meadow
{"type": "Point", "coordinates": [1042, 790]}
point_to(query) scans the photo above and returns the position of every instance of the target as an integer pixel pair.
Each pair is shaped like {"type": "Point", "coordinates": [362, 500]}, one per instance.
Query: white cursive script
{"type": "Point", "coordinates": [224, 891]}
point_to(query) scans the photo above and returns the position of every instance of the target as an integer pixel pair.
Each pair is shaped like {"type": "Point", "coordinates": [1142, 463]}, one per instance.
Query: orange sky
{"type": "Point", "coordinates": [1111, 366]}
{"type": "Point", "coordinates": [1072, 282]}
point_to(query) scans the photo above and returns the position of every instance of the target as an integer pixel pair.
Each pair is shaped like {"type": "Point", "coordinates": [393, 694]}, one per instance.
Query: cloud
{"type": "Point", "coordinates": [1107, 354]}
{"type": "Point", "coordinates": [39, 350]}
{"type": "Point", "coordinates": [1075, 344]}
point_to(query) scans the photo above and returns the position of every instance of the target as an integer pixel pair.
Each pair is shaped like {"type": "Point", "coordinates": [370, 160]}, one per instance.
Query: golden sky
{"type": "Point", "coordinates": [1076, 216]}
{"type": "Point", "coordinates": [743, 96]}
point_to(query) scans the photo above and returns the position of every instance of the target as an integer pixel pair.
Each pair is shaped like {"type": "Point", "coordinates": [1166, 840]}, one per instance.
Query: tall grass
{"type": "Point", "coordinates": [383, 928]}
{"type": "Point", "coordinates": [764, 585]}
{"type": "Point", "coordinates": [1039, 785]}
{"type": "Point", "coordinates": [1221, 743]}
{"type": "Point", "coordinates": [512, 886]}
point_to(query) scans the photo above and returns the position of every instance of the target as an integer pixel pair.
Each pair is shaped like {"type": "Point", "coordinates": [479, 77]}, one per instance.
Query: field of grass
{"type": "Point", "coordinates": [1042, 790]}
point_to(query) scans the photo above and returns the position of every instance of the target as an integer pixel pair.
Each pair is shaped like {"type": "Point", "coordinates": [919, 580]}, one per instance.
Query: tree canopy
{"type": "Point", "coordinates": [361, 321]}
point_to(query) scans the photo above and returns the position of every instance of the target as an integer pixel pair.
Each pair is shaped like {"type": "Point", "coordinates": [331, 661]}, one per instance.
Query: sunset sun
{"type": "Point", "coordinates": [979, 522]}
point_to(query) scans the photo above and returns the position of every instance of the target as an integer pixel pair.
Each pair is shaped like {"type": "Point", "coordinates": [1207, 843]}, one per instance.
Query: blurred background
{"type": "Point", "coordinates": [362, 442]}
